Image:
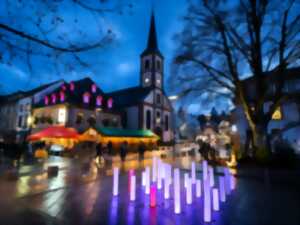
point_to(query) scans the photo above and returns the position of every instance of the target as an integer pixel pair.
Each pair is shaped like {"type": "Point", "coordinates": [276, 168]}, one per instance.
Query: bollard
{"type": "Point", "coordinates": [115, 181]}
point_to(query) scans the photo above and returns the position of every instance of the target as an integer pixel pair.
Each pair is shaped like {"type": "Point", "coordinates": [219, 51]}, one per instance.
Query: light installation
{"type": "Point", "coordinates": [211, 176]}
{"type": "Point", "coordinates": [177, 207]}
{"type": "Point", "coordinates": [46, 100]}
{"type": "Point", "coordinates": [53, 98]}
{"type": "Point", "coordinates": [189, 191]}
{"type": "Point", "coordinates": [207, 201]}
{"type": "Point", "coordinates": [193, 168]}
{"type": "Point", "coordinates": [216, 205]}
{"type": "Point", "coordinates": [222, 189]}
{"type": "Point", "coordinates": [153, 196]}
{"type": "Point", "coordinates": [132, 187]}
{"type": "Point", "coordinates": [147, 181]}
{"type": "Point", "coordinates": [186, 177]}
{"type": "Point", "coordinates": [99, 100]}
{"type": "Point", "coordinates": [116, 181]}
{"type": "Point", "coordinates": [198, 188]}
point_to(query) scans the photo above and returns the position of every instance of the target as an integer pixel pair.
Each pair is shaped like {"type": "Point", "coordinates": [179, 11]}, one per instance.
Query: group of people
{"type": "Point", "coordinates": [123, 150]}
{"type": "Point", "coordinates": [207, 151]}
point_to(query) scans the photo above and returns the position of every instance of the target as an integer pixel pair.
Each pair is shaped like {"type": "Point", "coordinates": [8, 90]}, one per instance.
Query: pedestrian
{"type": "Point", "coordinates": [99, 153]}
{"type": "Point", "coordinates": [123, 150]}
{"type": "Point", "coordinates": [141, 150]}
{"type": "Point", "coordinates": [110, 148]}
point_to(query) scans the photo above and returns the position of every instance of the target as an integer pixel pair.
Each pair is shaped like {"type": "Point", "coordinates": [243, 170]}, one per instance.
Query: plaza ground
{"type": "Point", "coordinates": [76, 196]}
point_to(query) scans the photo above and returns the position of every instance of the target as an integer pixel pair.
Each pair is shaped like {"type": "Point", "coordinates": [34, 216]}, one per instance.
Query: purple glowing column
{"type": "Point", "coordinates": [166, 189]}
{"type": "Point", "coordinates": [207, 201]}
{"type": "Point", "coordinates": [204, 170]}
{"type": "Point", "coordinates": [130, 174]}
{"type": "Point", "coordinates": [193, 168]}
{"type": "Point", "coordinates": [177, 207]}
{"type": "Point", "coordinates": [189, 191]}
{"type": "Point", "coordinates": [222, 189]}
{"type": "Point", "coordinates": [216, 205]}
{"type": "Point", "coordinates": [132, 187]}
{"type": "Point", "coordinates": [159, 174]}
{"type": "Point", "coordinates": [147, 180]}
{"type": "Point", "coordinates": [116, 181]}
{"type": "Point", "coordinates": [143, 178]}
{"type": "Point", "coordinates": [198, 188]}
{"type": "Point", "coordinates": [232, 182]}
{"type": "Point", "coordinates": [186, 177]}
{"type": "Point", "coordinates": [211, 176]}
{"type": "Point", "coordinates": [154, 169]}
{"type": "Point", "coordinates": [227, 180]}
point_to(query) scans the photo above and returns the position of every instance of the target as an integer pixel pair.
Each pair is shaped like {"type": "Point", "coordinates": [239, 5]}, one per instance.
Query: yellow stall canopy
{"type": "Point", "coordinates": [117, 135]}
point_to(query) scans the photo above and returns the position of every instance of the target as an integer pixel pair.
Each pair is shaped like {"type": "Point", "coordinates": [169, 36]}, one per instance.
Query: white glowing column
{"type": "Point", "coordinates": [211, 176]}
{"type": "Point", "coordinates": [232, 182]}
{"type": "Point", "coordinates": [186, 177]}
{"type": "Point", "coordinates": [189, 191]}
{"type": "Point", "coordinates": [163, 169]}
{"type": "Point", "coordinates": [132, 187]}
{"type": "Point", "coordinates": [193, 173]}
{"type": "Point", "coordinates": [159, 174]}
{"type": "Point", "coordinates": [216, 205]}
{"type": "Point", "coordinates": [177, 208]}
{"type": "Point", "coordinates": [227, 180]}
{"type": "Point", "coordinates": [143, 178]}
{"type": "Point", "coordinates": [166, 189]}
{"type": "Point", "coordinates": [116, 181]}
{"type": "Point", "coordinates": [147, 181]}
{"type": "Point", "coordinates": [222, 189]}
{"type": "Point", "coordinates": [207, 201]}
{"type": "Point", "coordinates": [198, 188]}
{"type": "Point", "coordinates": [154, 169]}
{"type": "Point", "coordinates": [204, 170]}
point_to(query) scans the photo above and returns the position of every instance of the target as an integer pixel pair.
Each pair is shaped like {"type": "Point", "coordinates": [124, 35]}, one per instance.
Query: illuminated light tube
{"type": "Point", "coordinates": [153, 196]}
{"type": "Point", "coordinates": [154, 169]}
{"type": "Point", "coordinates": [222, 189]}
{"type": "Point", "coordinates": [163, 168]}
{"type": "Point", "coordinates": [166, 189]}
{"type": "Point", "coordinates": [189, 191]}
{"type": "Point", "coordinates": [198, 188]}
{"type": "Point", "coordinates": [132, 188]}
{"type": "Point", "coordinates": [227, 181]}
{"type": "Point", "coordinates": [207, 202]}
{"type": "Point", "coordinates": [193, 173]}
{"type": "Point", "coordinates": [216, 205]}
{"type": "Point", "coordinates": [177, 207]}
{"type": "Point", "coordinates": [159, 175]}
{"type": "Point", "coordinates": [211, 176]}
{"type": "Point", "coordinates": [130, 174]}
{"type": "Point", "coordinates": [204, 170]}
{"type": "Point", "coordinates": [186, 177]}
{"type": "Point", "coordinates": [115, 181]}
{"type": "Point", "coordinates": [232, 182]}
{"type": "Point", "coordinates": [147, 181]}
{"type": "Point", "coordinates": [143, 178]}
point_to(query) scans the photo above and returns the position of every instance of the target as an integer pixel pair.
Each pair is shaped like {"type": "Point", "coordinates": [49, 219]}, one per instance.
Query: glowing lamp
{"type": "Point", "coordinates": [211, 176]}
{"type": "Point", "coordinates": [222, 189]}
{"type": "Point", "coordinates": [189, 191]}
{"type": "Point", "coordinates": [153, 196]}
{"type": "Point", "coordinates": [177, 207]}
{"type": "Point", "coordinates": [116, 181]}
{"type": "Point", "coordinates": [193, 173]}
{"type": "Point", "coordinates": [216, 205]}
{"type": "Point", "coordinates": [207, 202]}
{"type": "Point", "coordinates": [132, 187]}
{"type": "Point", "coordinates": [198, 188]}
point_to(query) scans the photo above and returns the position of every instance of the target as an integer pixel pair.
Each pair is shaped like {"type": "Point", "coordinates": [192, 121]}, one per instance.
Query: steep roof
{"type": "Point", "coordinates": [152, 44]}
{"type": "Point", "coordinates": [130, 96]}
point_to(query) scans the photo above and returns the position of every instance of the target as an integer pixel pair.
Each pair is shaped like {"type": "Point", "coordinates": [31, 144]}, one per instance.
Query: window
{"type": "Point", "coordinates": [158, 119]}
{"type": "Point", "coordinates": [62, 96]}
{"type": "Point", "coordinates": [158, 65]}
{"type": "Point", "coordinates": [53, 98]}
{"type": "Point", "coordinates": [277, 115]}
{"type": "Point", "coordinates": [20, 121]}
{"type": "Point", "coordinates": [86, 97]}
{"type": "Point", "coordinates": [110, 103]}
{"type": "Point", "coordinates": [148, 119]}
{"type": "Point", "coordinates": [72, 86]}
{"type": "Point", "coordinates": [94, 88]}
{"type": "Point", "coordinates": [147, 64]}
{"type": "Point", "coordinates": [99, 100]}
{"type": "Point", "coordinates": [166, 122]}
{"type": "Point", "coordinates": [158, 99]}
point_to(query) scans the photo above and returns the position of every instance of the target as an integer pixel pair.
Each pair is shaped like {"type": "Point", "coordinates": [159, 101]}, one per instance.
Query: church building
{"type": "Point", "coordinates": [146, 106]}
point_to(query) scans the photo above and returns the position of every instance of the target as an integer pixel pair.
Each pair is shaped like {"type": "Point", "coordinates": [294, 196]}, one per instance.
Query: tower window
{"type": "Point", "coordinates": [158, 65]}
{"type": "Point", "coordinates": [166, 122]}
{"type": "Point", "coordinates": [147, 64]}
{"type": "Point", "coordinates": [158, 99]}
{"type": "Point", "coordinates": [148, 119]}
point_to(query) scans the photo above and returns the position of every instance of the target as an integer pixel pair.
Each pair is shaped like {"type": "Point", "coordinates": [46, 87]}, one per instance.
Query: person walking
{"type": "Point", "coordinates": [141, 150]}
{"type": "Point", "coordinates": [99, 153]}
{"type": "Point", "coordinates": [123, 150]}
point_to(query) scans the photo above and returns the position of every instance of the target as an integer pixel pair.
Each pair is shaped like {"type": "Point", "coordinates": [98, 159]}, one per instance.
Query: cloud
{"type": "Point", "coordinates": [125, 68]}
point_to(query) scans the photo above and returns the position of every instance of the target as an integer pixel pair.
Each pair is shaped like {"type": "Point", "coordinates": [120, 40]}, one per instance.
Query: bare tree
{"type": "Point", "coordinates": [223, 41]}
{"type": "Point", "coordinates": [58, 34]}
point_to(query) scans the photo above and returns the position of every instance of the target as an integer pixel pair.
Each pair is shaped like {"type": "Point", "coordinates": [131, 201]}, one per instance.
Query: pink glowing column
{"type": "Point", "coordinates": [207, 201]}
{"type": "Point", "coordinates": [193, 168]}
{"type": "Point", "coordinates": [222, 189]}
{"type": "Point", "coordinates": [147, 181]}
{"type": "Point", "coordinates": [189, 191]}
{"type": "Point", "coordinates": [116, 181]}
{"type": "Point", "coordinates": [204, 170]}
{"type": "Point", "coordinates": [211, 176]}
{"type": "Point", "coordinates": [154, 169]}
{"type": "Point", "coordinates": [198, 188]}
{"type": "Point", "coordinates": [177, 207]}
{"type": "Point", "coordinates": [130, 174]}
{"type": "Point", "coordinates": [216, 205]}
{"type": "Point", "coordinates": [186, 177]}
{"type": "Point", "coordinates": [132, 187]}
{"type": "Point", "coordinates": [153, 196]}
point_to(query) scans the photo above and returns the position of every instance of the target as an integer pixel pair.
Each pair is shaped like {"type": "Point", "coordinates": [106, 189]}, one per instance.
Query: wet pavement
{"type": "Point", "coordinates": [79, 197]}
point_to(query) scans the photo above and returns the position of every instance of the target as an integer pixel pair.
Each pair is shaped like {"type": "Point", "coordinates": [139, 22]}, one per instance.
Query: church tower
{"type": "Point", "coordinates": [152, 61]}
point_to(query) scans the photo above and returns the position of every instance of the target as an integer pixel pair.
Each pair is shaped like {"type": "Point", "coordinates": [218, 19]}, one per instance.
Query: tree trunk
{"type": "Point", "coordinates": [261, 142]}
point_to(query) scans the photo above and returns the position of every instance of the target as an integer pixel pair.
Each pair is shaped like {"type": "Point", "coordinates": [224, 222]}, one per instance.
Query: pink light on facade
{"type": "Point", "coordinates": [116, 181]}
{"type": "Point", "coordinates": [62, 96]}
{"type": "Point", "coordinates": [46, 100]}
{"type": "Point", "coordinates": [153, 196]}
{"type": "Point", "coordinates": [99, 100]}
{"type": "Point", "coordinates": [110, 103]}
{"type": "Point", "coordinates": [53, 98]}
{"type": "Point", "coordinates": [86, 97]}
{"type": "Point", "coordinates": [94, 88]}
{"type": "Point", "coordinates": [132, 187]}
{"type": "Point", "coordinates": [216, 205]}
{"type": "Point", "coordinates": [72, 86]}
{"type": "Point", "coordinates": [198, 188]}
{"type": "Point", "coordinates": [177, 207]}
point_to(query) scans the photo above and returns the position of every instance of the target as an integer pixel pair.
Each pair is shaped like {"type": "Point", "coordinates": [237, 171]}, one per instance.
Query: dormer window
{"type": "Point", "coordinates": [94, 88]}
{"type": "Point", "coordinates": [72, 86]}
{"type": "Point", "coordinates": [99, 100]}
{"type": "Point", "coordinates": [63, 87]}
{"type": "Point", "coordinates": [62, 96]}
{"type": "Point", "coordinates": [110, 103]}
{"type": "Point", "coordinates": [86, 97]}
{"type": "Point", "coordinates": [53, 98]}
{"type": "Point", "coordinates": [46, 100]}
{"type": "Point", "coordinates": [147, 64]}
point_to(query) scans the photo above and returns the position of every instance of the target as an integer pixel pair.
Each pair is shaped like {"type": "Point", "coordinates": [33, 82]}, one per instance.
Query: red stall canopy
{"type": "Point", "coordinates": [55, 132]}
